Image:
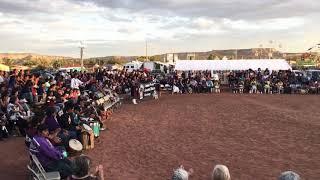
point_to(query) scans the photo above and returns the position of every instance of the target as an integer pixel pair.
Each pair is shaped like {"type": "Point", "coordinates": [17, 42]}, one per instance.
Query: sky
{"type": "Point", "coordinates": [122, 27]}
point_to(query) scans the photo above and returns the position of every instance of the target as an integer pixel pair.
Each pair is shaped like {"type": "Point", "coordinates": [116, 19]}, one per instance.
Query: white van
{"type": "Point", "coordinates": [131, 66]}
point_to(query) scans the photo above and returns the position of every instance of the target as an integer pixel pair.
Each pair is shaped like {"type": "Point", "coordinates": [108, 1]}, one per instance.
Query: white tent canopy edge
{"type": "Point", "coordinates": [232, 65]}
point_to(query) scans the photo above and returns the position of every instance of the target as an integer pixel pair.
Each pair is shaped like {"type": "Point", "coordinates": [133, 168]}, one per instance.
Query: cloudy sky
{"type": "Point", "coordinates": [121, 27]}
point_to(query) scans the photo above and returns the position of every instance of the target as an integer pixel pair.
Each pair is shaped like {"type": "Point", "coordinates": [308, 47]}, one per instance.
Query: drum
{"type": "Point", "coordinates": [87, 137]}
{"type": "Point", "coordinates": [175, 89]}
{"type": "Point", "coordinates": [87, 128]}
{"type": "Point", "coordinates": [75, 146]}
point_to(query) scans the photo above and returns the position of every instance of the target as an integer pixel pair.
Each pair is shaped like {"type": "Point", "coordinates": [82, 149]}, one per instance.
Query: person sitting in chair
{"type": "Point", "coordinates": [241, 86]}
{"type": "Point", "coordinates": [17, 116]}
{"type": "Point", "coordinates": [56, 132]}
{"type": "Point", "coordinates": [194, 86]}
{"type": "Point", "coordinates": [81, 167]}
{"type": "Point", "coordinates": [253, 89]}
{"type": "Point", "coordinates": [289, 175]}
{"type": "Point", "coordinates": [267, 87]}
{"type": "Point", "coordinates": [220, 172]}
{"type": "Point", "coordinates": [68, 121]}
{"type": "Point", "coordinates": [3, 129]}
{"type": "Point", "coordinates": [216, 87]}
{"type": "Point", "coordinates": [209, 84]}
{"type": "Point", "coordinates": [175, 88]}
{"type": "Point", "coordinates": [50, 157]}
{"type": "Point", "coordinates": [280, 87]}
{"type": "Point", "coordinates": [181, 173]}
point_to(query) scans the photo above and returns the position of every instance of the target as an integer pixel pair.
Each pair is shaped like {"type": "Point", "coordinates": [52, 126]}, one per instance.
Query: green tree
{"type": "Point", "coordinates": [151, 58]}
{"type": "Point", "coordinates": [56, 64]}
{"type": "Point", "coordinates": [216, 58]}
{"type": "Point", "coordinates": [155, 58]}
{"type": "Point", "coordinates": [211, 57]}
{"type": "Point", "coordinates": [30, 63]}
{"type": "Point", "coordinates": [41, 67]}
{"type": "Point", "coordinates": [142, 58]}
{"type": "Point", "coordinates": [8, 61]}
{"type": "Point", "coordinates": [115, 60]}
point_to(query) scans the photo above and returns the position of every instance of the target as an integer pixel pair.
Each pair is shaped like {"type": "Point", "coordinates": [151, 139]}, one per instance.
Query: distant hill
{"type": "Point", "coordinates": [29, 56]}
{"type": "Point", "coordinates": [114, 59]}
{"type": "Point", "coordinates": [253, 53]}
{"type": "Point", "coordinates": [32, 59]}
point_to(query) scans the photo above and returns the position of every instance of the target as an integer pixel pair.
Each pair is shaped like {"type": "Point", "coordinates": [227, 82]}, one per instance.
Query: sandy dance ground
{"type": "Point", "coordinates": [256, 136]}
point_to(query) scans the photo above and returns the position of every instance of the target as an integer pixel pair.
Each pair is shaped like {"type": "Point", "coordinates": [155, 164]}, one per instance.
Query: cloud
{"type": "Point", "coordinates": [253, 9]}
{"type": "Point", "coordinates": [50, 26]}
{"type": "Point", "coordinates": [264, 25]}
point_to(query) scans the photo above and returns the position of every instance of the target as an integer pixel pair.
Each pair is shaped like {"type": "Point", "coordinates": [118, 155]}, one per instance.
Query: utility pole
{"type": "Point", "coordinates": [146, 50]}
{"type": "Point", "coordinates": [236, 53]}
{"type": "Point", "coordinates": [81, 55]}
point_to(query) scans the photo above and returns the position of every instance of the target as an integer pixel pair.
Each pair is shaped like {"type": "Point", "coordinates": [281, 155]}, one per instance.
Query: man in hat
{"type": "Point", "coordinates": [50, 157]}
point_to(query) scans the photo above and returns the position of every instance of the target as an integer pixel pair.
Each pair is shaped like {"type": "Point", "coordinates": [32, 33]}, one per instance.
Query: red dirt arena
{"type": "Point", "coordinates": [256, 136]}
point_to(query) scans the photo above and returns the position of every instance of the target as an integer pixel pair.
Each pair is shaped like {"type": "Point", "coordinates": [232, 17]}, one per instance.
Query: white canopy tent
{"type": "Point", "coordinates": [228, 65]}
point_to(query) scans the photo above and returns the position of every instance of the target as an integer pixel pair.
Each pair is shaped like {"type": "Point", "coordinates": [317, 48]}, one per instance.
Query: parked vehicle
{"type": "Point", "coordinates": [132, 66]}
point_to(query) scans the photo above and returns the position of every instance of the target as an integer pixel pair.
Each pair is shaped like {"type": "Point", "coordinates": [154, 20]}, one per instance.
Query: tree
{"type": "Point", "coordinates": [7, 61]}
{"type": "Point", "coordinates": [30, 63]}
{"type": "Point", "coordinates": [41, 67]}
{"type": "Point", "coordinates": [211, 57]}
{"type": "Point", "coordinates": [154, 58]}
{"type": "Point", "coordinates": [216, 58]}
{"type": "Point", "coordinates": [115, 60]}
{"type": "Point", "coordinates": [56, 64]}
{"type": "Point", "coordinates": [141, 58]}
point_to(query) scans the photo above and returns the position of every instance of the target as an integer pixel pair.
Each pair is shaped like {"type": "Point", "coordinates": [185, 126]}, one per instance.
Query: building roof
{"type": "Point", "coordinates": [228, 65]}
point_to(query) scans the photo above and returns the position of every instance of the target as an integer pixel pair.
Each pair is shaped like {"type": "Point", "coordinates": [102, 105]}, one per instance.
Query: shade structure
{"type": "Point", "coordinates": [232, 65]}
{"type": "Point", "coordinates": [4, 68]}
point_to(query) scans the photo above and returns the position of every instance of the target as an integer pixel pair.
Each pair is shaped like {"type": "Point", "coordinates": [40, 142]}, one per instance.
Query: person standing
{"type": "Point", "coordinates": [135, 90]}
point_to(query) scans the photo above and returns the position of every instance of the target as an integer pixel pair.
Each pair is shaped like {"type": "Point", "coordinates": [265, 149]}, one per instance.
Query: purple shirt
{"type": "Point", "coordinates": [45, 151]}
{"type": "Point", "coordinates": [52, 123]}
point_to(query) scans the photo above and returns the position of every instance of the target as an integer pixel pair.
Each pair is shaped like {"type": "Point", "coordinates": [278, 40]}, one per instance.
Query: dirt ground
{"type": "Point", "coordinates": [256, 136]}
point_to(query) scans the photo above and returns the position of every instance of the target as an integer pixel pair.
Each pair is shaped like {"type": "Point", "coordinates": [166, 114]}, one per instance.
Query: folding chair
{"type": "Point", "coordinates": [43, 175]}
{"type": "Point", "coordinates": [107, 106]}
{"type": "Point", "coordinates": [101, 100]}
{"type": "Point", "coordinates": [106, 98]}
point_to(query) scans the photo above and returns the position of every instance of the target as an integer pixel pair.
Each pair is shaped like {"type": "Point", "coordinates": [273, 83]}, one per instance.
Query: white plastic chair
{"type": "Point", "coordinates": [43, 175]}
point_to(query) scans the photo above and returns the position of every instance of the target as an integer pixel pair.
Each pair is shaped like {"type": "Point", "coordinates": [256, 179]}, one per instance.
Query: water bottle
{"type": "Point", "coordinates": [98, 129]}
{"type": "Point", "coordinates": [65, 154]}
{"type": "Point", "coordinates": [95, 129]}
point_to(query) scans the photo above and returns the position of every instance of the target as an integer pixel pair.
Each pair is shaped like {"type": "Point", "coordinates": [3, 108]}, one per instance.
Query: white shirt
{"type": "Point", "coordinates": [75, 83]}
{"type": "Point", "coordinates": [215, 77]}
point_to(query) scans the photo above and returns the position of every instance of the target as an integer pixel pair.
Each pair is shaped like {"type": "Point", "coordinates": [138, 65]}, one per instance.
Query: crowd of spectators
{"type": "Point", "coordinates": [250, 81]}
{"type": "Point", "coordinates": [269, 82]}
{"type": "Point", "coordinates": [51, 110]}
